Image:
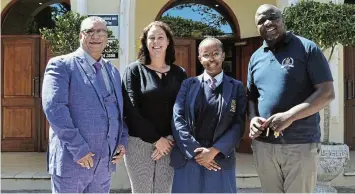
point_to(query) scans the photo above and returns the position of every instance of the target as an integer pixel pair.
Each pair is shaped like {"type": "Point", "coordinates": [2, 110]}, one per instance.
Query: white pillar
{"type": "Point", "coordinates": [82, 7]}
{"type": "Point", "coordinates": [127, 37]}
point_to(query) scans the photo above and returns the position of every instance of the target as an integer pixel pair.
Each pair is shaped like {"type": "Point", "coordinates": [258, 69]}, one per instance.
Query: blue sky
{"type": "Point", "coordinates": [187, 13]}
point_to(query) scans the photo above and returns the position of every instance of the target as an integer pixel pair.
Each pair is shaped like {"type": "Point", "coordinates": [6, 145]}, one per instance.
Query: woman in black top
{"type": "Point", "coordinates": [151, 86]}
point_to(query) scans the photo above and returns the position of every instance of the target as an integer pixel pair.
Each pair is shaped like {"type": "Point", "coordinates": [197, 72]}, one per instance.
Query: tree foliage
{"type": "Point", "coordinates": [46, 17]}
{"type": "Point", "coordinates": [327, 24]}
{"type": "Point", "coordinates": [64, 37]}
{"type": "Point", "coordinates": [209, 15]}
{"type": "Point", "coordinates": [184, 27]}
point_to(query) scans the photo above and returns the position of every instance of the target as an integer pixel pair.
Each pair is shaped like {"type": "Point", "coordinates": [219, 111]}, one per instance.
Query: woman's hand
{"type": "Point", "coordinates": [164, 145]}
{"type": "Point", "coordinates": [156, 155]}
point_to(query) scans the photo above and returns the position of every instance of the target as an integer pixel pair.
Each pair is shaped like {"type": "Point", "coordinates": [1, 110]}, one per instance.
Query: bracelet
{"type": "Point", "coordinates": [155, 143]}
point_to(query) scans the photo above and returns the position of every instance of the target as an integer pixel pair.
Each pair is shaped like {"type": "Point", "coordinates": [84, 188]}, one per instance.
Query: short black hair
{"type": "Point", "coordinates": [211, 38]}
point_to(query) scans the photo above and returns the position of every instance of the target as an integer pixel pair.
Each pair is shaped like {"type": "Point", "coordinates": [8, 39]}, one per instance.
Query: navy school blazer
{"type": "Point", "coordinates": [229, 130]}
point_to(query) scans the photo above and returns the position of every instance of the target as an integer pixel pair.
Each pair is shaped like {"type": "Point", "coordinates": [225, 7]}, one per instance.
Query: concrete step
{"type": "Point", "coordinates": [28, 181]}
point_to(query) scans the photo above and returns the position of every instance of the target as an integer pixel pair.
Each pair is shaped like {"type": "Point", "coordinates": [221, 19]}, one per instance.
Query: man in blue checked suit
{"type": "Point", "coordinates": [82, 101]}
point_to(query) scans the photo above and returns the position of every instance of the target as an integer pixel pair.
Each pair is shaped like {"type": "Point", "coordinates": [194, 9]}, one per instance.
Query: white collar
{"type": "Point", "coordinates": [218, 77]}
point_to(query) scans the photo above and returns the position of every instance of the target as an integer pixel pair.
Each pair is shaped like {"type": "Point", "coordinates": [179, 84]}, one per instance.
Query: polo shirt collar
{"type": "Point", "coordinates": [286, 40]}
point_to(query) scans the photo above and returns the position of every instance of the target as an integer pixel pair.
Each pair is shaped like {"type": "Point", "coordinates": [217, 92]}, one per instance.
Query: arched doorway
{"type": "Point", "coordinates": [191, 21]}
{"type": "Point", "coordinates": [223, 24]}
{"type": "Point", "coordinates": [23, 60]}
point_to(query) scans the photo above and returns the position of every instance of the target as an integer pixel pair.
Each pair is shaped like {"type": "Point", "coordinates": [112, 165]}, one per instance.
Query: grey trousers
{"type": "Point", "coordinates": [145, 174]}
{"type": "Point", "coordinates": [286, 168]}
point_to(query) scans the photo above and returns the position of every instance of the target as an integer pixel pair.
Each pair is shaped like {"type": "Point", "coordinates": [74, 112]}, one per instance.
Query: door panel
{"type": "Point", "coordinates": [252, 44]}
{"type": "Point", "coordinates": [44, 131]}
{"type": "Point", "coordinates": [17, 129]}
{"type": "Point", "coordinates": [349, 86]}
{"type": "Point", "coordinates": [185, 54]}
{"type": "Point", "coordinates": [20, 106]}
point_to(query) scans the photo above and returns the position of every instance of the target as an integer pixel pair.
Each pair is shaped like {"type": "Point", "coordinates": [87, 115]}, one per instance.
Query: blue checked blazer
{"type": "Point", "coordinates": [75, 111]}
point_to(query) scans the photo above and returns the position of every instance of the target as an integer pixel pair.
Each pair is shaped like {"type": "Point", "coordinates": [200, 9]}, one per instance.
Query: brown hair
{"type": "Point", "coordinates": [143, 54]}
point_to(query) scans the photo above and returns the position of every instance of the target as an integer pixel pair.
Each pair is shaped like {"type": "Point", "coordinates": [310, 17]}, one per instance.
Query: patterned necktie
{"type": "Point", "coordinates": [100, 78]}
{"type": "Point", "coordinates": [97, 66]}
{"type": "Point", "coordinates": [212, 84]}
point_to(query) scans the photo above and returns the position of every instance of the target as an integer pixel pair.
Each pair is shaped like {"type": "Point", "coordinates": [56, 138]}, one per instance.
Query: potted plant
{"type": "Point", "coordinates": [64, 37]}
{"type": "Point", "coordinates": [328, 25]}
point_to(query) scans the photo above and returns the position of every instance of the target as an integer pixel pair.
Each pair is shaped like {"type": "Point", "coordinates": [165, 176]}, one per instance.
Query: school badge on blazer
{"type": "Point", "coordinates": [233, 106]}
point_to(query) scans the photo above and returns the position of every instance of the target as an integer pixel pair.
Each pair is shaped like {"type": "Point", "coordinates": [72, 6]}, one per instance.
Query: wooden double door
{"type": "Point", "coordinates": [23, 60]}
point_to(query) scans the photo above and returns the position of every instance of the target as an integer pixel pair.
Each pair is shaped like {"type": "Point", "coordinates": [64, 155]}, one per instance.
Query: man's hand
{"type": "Point", "coordinates": [87, 161]}
{"type": "Point", "coordinates": [256, 127]}
{"type": "Point", "coordinates": [280, 121]}
{"type": "Point", "coordinates": [206, 158]}
{"type": "Point", "coordinates": [164, 145]}
{"type": "Point", "coordinates": [120, 152]}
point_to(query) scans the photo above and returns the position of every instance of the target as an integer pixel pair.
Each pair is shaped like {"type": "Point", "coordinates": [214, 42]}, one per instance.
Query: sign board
{"type": "Point", "coordinates": [112, 21]}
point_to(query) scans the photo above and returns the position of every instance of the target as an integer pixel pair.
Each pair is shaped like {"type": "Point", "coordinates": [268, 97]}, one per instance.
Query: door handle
{"type": "Point", "coordinates": [35, 86]}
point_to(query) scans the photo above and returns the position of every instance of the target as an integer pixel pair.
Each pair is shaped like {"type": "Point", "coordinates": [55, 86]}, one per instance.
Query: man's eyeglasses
{"type": "Point", "coordinates": [100, 32]}
{"type": "Point", "coordinates": [214, 55]}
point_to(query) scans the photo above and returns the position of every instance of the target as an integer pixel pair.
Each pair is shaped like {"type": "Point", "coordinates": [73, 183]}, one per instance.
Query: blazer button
{"type": "Point", "coordinates": [103, 116]}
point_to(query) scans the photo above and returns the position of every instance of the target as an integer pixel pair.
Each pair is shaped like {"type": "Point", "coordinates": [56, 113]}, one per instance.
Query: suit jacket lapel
{"type": "Point", "coordinates": [80, 58]}
{"type": "Point", "coordinates": [195, 88]}
{"type": "Point", "coordinates": [227, 92]}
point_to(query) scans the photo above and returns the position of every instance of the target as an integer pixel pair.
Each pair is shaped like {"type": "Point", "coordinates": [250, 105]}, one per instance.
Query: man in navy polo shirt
{"type": "Point", "coordinates": [289, 82]}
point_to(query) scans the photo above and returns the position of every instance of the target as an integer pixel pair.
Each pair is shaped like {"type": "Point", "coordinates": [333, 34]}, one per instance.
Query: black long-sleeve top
{"type": "Point", "coordinates": [149, 100]}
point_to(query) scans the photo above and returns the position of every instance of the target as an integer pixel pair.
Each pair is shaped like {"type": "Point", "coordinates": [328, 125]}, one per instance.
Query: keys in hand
{"type": "Point", "coordinates": [276, 134]}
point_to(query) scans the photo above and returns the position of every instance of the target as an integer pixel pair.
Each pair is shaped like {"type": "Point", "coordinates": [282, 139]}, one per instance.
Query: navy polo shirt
{"type": "Point", "coordinates": [283, 78]}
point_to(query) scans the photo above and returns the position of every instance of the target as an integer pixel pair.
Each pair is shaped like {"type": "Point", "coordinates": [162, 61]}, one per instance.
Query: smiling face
{"type": "Point", "coordinates": [211, 56]}
{"type": "Point", "coordinates": [269, 22]}
{"type": "Point", "coordinates": [157, 42]}
{"type": "Point", "coordinates": [93, 38]}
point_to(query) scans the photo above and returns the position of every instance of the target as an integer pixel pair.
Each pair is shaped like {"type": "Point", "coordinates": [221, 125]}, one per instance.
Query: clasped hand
{"type": "Point", "coordinates": [163, 147]}
{"type": "Point", "coordinates": [205, 157]}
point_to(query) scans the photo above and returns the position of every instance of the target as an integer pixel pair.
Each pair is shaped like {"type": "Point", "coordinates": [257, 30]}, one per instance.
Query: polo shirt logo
{"type": "Point", "coordinates": [287, 63]}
